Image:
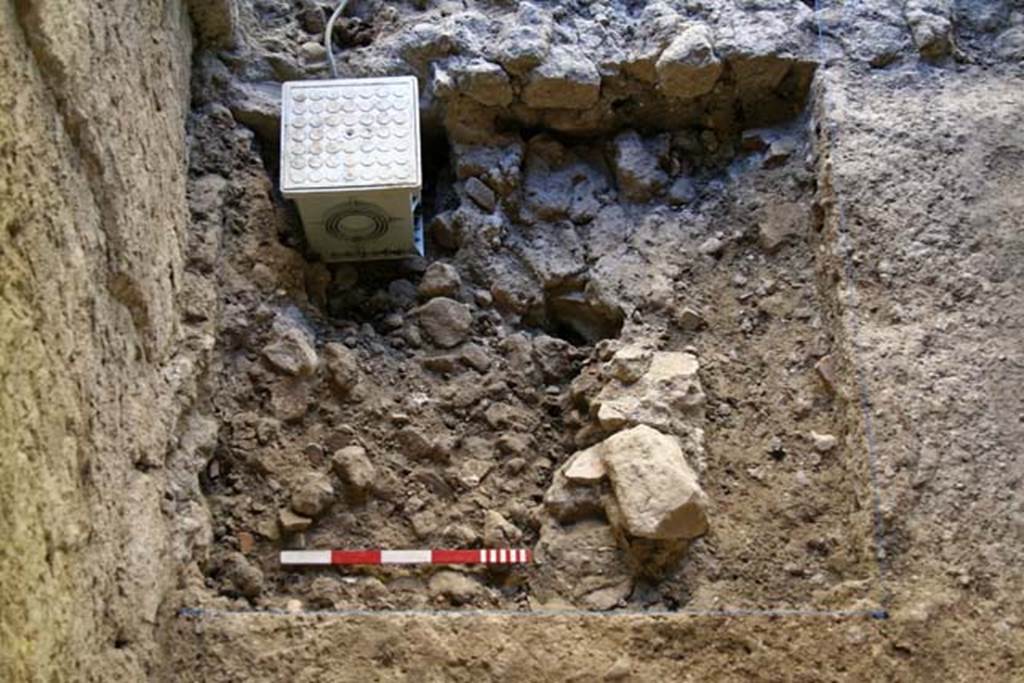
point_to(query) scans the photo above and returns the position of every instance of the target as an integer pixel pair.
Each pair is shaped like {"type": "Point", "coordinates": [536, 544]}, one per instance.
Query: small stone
{"type": "Point", "coordinates": [499, 532]}
{"type": "Point", "coordinates": [689, 320]}
{"type": "Point", "coordinates": [293, 606]}
{"type": "Point", "coordinates": [291, 353]}
{"type": "Point", "coordinates": [629, 364]}
{"type": "Point", "coordinates": [342, 367]}
{"type": "Point", "coordinates": [636, 168]}
{"type": "Point", "coordinates": [423, 523]}
{"type": "Point", "coordinates": [246, 579]}
{"type": "Point", "coordinates": [823, 443]}
{"type": "Point", "coordinates": [441, 279]}
{"type": "Point", "coordinates": [779, 151]}
{"type": "Point", "coordinates": [682, 192]}
{"type": "Point", "coordinates": [414, 443]}
{"type": "Point", "coordinates": [354, 468]}
{"type": "Point", "coordinates": [313, 495]}
{"type": "Point", "coordinates": [483, 298]}
{"type": "Point", "coordinates": [554, 357]}
{"type": "Point", "coordinates": [688, 67]}
{"type": "Point", "coordinates": [445, 321]}
{"type": "Point", "coordinates": [481, 194]}
{"type": "Point", "coordinates": [476, 357]}
{"type": "Point", "coordinates": [712, 246]}
{"type": "Point", "coordinates": [311, 17]}
{"type": "Point", "coordinates": [268, 529]}
{"type": "Point", "coordinates": [485, 82]}
{"type": "Point", "coordinates": [402, 292]}
{"type": "Point", "coordinates": [292, 523]}
{"type": "Point", "coordinates": [246, 542]}
{"type": "Point", "coordinates": [455, 586]}
{"type": "Point", "coordinates": [312, 52]}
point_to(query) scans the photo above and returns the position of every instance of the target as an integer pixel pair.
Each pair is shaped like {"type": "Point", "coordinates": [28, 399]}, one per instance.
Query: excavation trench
{"type": "Point", "coordinates": [434, 402]}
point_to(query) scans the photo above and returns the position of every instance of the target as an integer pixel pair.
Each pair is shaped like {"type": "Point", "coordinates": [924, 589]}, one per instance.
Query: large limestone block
{"type": "Point", "coordinates": [656, 489]}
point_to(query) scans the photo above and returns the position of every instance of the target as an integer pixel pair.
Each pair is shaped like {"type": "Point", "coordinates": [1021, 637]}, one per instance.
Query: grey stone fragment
{"type": "Point", "coordinates": [636, 168]}
{"type": "Point", "coordinates": [481, 194]}
{"type": "Point", "coordinates": [682, 192]}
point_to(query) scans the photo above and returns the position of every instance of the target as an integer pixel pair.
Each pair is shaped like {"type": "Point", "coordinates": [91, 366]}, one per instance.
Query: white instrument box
{"type": "Point", "coordinates": [350, 158]}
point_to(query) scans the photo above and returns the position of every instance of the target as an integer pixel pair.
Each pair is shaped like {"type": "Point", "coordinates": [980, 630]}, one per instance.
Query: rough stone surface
{"type": "Point", "coordinates": [342, 367]}
{"type": "Point", "coordinates": [354, 468]}
{"type": "Point", "coordinates": [688, 67]}
{"type": "Point", "coordinates": [441, 279]}
{"type": "Point", "coordinates": [291, 352]}
{"type": "Point", "coordinates": [655, 488]}
{"type": "Point", "coordinates": [667, 395]}
{"type": "Point", "coordinates": [445, 321]}
{"type": "Point", "coordinates": [312, 495]}
{"type": "Point", "coordinates": [564, 80]}
{"type": "Point", "coordinates": [636, 168]}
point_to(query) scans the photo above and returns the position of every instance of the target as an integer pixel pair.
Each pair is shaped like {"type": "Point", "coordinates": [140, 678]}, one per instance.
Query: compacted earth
{"type": "Point", "coordinates": [719, 316]}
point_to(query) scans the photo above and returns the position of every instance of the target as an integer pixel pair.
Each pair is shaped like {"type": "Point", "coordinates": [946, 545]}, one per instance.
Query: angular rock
{"type": "Point", "coordinates": [569, 502]}
{"type": "Point", "coordinates": [655, 488]}
{"type": "Point", "coordinates": [445, 321]}
{"type": "Point", "coordinates": [566, 79]}
{"type": "Point", "coordinates": [823, 443]}
{"type": "Point", "coordinates": [292, 523]}
{"type": "Point", "coordinates": [481, 194]}
{"type": "Point", "coordinates": [525, 42]}
{"type": "Point", "coordinates": [354, 468]}
{"type": "Point", "coordinates": [485, 82]}
{"type": "Point", "coordinates": [586, 467]}
{"type": "Point", "coordinates": [342, 367]}
{"type": "Point", "coordinates": [441, 279]}
{"type": "Point", "coordinates": [554, 357]}
{"type": "Point", "coordinates": [289, 398]}
{"type": "Point", "coordinates": [688, 67]}
{"type": "Point", "coordinates": [291, 352]}
{"type": "Point", "coordinates": [499, 532]}
{"type": "Point", "coordinates": [313, 495]}
{"type": "Point", "coordinates": [629, 364]}
{"type": "Point", "coordinates": [636, 168]}
{"type": "Point", "coordinates": [931, 26]}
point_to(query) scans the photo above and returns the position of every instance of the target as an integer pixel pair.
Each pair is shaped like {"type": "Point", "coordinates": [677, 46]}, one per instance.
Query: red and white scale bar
{"type": "Point", "coordinates": [483, 556]}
